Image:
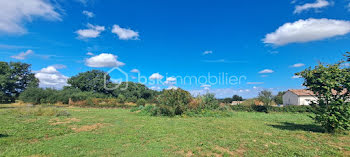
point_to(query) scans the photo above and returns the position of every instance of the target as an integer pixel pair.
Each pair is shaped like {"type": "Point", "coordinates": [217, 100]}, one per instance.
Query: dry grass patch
{"type": "Point", "coordinates": [88, 127]}
{"type": "Point", "coordinates": [57, 121]}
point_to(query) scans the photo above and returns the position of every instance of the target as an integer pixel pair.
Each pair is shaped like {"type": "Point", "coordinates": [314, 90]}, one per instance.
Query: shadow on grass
{"type": "Point", "coordinates": [3, 135]}
{"type": "Point", "coordinates": [296, 127]}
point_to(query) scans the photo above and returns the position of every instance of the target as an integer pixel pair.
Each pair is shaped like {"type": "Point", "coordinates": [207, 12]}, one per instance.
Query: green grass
{"type": "Point", "coordinates": [119, 132]}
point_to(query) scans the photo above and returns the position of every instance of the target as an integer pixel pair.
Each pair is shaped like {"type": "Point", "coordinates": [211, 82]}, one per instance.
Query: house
{"type": "Point", "coordinates": [298, 97]}
{"type": "Point", "coordinates": [303, 97]}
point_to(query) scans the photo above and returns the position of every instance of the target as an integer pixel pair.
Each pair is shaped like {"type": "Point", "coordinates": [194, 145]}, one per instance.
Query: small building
{"type": "Point", "coordinates": [236, 102]}
{"type": "Point", "coordinates": [298, 97]}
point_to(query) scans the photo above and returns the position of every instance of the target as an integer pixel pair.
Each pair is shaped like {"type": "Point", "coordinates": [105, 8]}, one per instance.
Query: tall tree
{"type": "Point", "coordinates": [15, 77]}
{"type": "Point", "coordinates": [237, 98]}
{"type": "Point", "coordinates": [279, 98]}
{"type": "Point", "coordinates": [90, 81]}
{"type": "Point", "coordinates": [331, 85]}
{"type": "Point", "coordinates": [266, 97]}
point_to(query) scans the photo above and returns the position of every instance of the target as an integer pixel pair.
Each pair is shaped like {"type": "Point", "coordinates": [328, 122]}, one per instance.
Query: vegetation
{"type": "Point", "coordinates": [331, 85]}
{"type": "Point", "coordinates": [279, 98]}
{"type": "Point", "coordinates": [118, 132]}
{"type": "Point", "coordinates": [173, 102]}
{"type": "Point", "coordinates": [266, 97]}
{"type": "Point", "coordinates": [15, 77]}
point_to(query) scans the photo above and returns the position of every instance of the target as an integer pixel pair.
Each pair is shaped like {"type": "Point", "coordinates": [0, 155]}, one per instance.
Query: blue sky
{"type": "Point", "coordinates": [176, 38]}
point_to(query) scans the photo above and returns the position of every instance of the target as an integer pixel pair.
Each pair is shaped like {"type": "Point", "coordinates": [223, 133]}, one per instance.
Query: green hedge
{"type": "Point", "coordinates": [255, 108]}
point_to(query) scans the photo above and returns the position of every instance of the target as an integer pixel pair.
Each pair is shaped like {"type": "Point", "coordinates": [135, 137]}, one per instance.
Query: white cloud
{"type": "Point", "coordinates": [88, 14]}
{"type": "Point", "coordinates": [206, 87]}
{"type": "Point", "coordinates": [156, 76]}
{"type": "Point", "coordinates": [255, 83]}
{"type": "Point", "coordinates": [125, 33]}
{"type": "Point", "coordinates": [316, 5]}
{"type": "Point", "coordinates": [297, 65]}
{"type": "Point", "coordinates": [23, 55]}
{"type": "Point", "coordinates": [207, 52]}
{"type": "Point", "coordinates": [170, 81]}
{"type": "Point", "coordinates": [155, 88]}
{"type": "Point", "coordinates": [135, 71]}
{"type": "Point", "coordinates": [90, 54]}
{"type": "Point", "coordinates": [295, 77]}
{"type": "Point", "coordinates": [266, 71]}
{"type": "Point", "coordinates": [93, 31]}
{"type": "Point", "coordinates": [51, 78]}
{"type": "Point", "coordinates": [103, 60]}
{"type": "Point", "coordinates": [307, 30]}
{"type": "Point", "coordinates": [14, 13]}
{"type": "Point", "coordinates": [172, 87]}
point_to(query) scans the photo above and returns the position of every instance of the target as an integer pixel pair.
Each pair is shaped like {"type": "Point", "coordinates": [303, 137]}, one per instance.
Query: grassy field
{"type": "Point", "coordinates": [119, 132]}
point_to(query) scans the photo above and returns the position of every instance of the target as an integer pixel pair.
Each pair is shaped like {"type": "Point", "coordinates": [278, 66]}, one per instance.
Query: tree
{"type": "Point", "coordinates": [90, 81]}
{"type": "Point", "coordinates": [237, 98]}
{"type": "Point", "coordinates": [331, 85]}
{"type": "Point", "coordinates": [266, 97]}
{"type": "Point", "coordinates": [279, 98]}
{"type": "Point", "coordinates": [15, 77]}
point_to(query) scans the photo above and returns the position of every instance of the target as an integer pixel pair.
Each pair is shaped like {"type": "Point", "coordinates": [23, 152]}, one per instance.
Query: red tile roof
{"type": "Point", "coordinates": [305, 92]}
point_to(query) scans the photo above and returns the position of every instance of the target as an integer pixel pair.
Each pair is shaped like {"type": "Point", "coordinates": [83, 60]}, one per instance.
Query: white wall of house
{"type": "Point", "coordinates": [306, 100]}
{"type": "Point", "coordinates": [289, 98]}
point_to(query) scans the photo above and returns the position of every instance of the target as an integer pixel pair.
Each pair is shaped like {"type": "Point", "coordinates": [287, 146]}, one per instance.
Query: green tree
{"type": "Point", "coordinates": [90, 81]}
{"type": "Point", "coordinates": [279, 98]}
{"type": "Point", "coordinates": [173, 102]}
{"type": "Point", "coordinates": [266, 97]}
{"type": "Point", "coordinates": [15, 77]}
{"type": "Point", "coordinates": [237, 98]}
{"type": "Point", "coordinates": [331, 85]}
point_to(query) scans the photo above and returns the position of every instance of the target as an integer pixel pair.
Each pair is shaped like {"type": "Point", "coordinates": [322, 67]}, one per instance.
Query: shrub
{"type": "Point", "coordinates": [141, 102]}
{"type": "Point", "coordinates": [173, 102]}
{"type": "Point", "coordinates": [209, 102]}
{"type": "Point", "coordinates": [121, 99]}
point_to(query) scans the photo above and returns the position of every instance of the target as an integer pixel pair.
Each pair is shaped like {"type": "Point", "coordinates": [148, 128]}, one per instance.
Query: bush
{"type": "Point", "coordinates": [141, 102]}
{"type": "Point", "coordinates": [209, 102]}
{"type": "Point", "coordinates": [173, 102]}
{"type": "Point", "coordinates": [334, 117]}
{"type": "Point", "coordinates": [258, 108]}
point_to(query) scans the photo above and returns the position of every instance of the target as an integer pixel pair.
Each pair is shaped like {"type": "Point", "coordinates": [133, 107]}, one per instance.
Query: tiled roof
{"type": "Point", "coordinates": [304, 92]}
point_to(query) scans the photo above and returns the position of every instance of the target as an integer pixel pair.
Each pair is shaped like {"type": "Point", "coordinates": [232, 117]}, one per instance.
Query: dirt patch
{"type": "Point", "coordinates": [57, 121]}
{"type": "Point", "coordinates": [88, 127]}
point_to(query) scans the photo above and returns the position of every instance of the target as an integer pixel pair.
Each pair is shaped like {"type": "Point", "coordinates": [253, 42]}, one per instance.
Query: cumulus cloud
{"type": "Point", "coordinates": [297, 65]}
{"type": "Point", "coordinates": [89, 54]}
{"type": "Point", "coordinates": [207, 52]}
{"type": "Point", "coordinates": [125, 33]}
{"type": "Point", "coordinates": [170, 80]}
{"type": "Point", "coordinates": [135, 71]}
{"type": "Point", "coordinates": [316, 5]}
{"type": "Point", "coordinates": [156, 76]}
{"type": "Point", "coordinates": [295, 77]}
{"type": "Point", "coordinates": [49, 77]}
{"type": "Point", "coordinates": [14, 13]}
{"type": "Point", "coordinates": [23, 55]}
{"type": "Point", "coordinates": [172, 87]}
{"type": "Point", "coordinates": [155, 88]}
{"type": "Point", "coordinates": [308, 30]}
{"type": "Point", "coordinates": [88, 14]}
{"type": "Point", "coordinates": [266, 71]}
{"type": "Point", "coordinates": [93, 31]}
{"type": "Point", "coordinates": [103, 60]}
